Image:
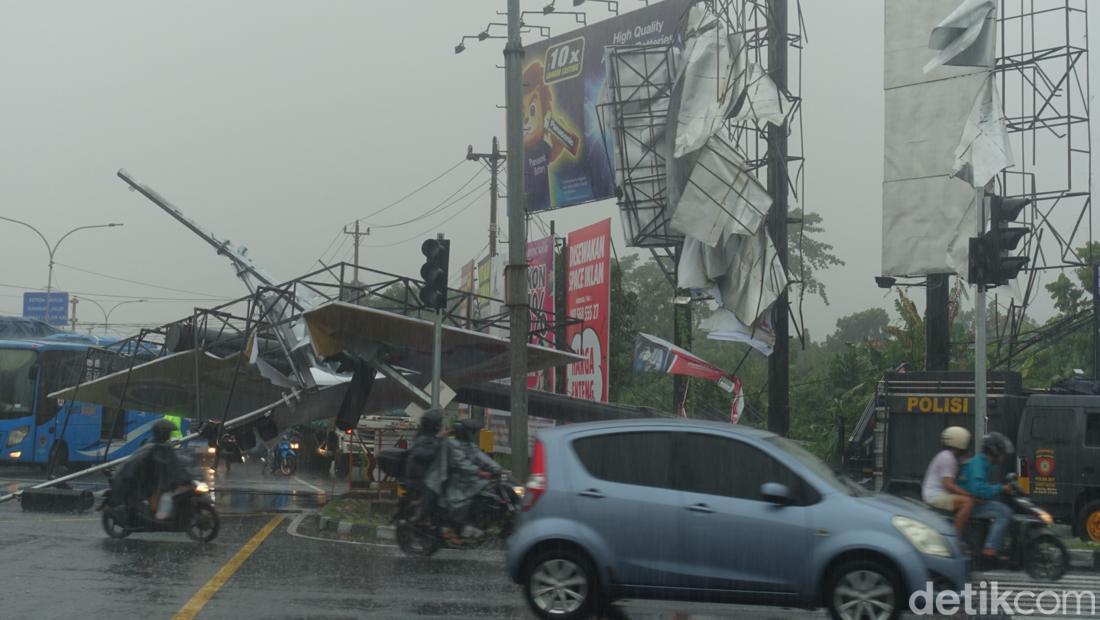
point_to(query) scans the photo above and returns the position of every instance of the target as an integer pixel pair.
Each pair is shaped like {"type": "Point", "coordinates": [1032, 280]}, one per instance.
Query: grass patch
{"type": "Point", "coordinates": [359, 510]}
{"type": "Point", "coordinates": [1077, 543]}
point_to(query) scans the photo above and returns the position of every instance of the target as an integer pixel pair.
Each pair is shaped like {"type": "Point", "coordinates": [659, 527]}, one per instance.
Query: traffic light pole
{"type": "Point", "coordinates": [437, 356]}
{"type": "Point", "coordinates": [979, 335]}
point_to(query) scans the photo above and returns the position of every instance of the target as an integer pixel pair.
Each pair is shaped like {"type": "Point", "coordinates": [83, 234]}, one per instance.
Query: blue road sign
{"type": "Point", "coordinates": [34, 307]}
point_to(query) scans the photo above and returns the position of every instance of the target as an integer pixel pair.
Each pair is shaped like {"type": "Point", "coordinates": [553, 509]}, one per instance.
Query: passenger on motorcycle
{"type": "Point", "coordinates": [973, 477]}
{"type": "Point", "coordinates": [939, 488]}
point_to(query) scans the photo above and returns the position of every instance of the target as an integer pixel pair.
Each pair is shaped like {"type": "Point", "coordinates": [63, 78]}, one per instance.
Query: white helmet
{"type": "Point", "coordinates": [955, 437]}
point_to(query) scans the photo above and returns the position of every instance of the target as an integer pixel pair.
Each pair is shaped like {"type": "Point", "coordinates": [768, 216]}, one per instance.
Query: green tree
{"type": "Point", "coordinates": [857, 328]}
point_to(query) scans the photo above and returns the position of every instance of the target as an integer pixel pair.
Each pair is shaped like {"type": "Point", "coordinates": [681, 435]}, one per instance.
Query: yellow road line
{"type": "Point", "coordinates": [203, 596]}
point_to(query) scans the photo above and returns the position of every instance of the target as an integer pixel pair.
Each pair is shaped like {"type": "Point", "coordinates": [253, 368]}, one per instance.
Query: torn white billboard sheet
{"type": "Point", "coordinates": [712, 65]}
{"type": "Point", "coordinates": [965, 37]}
{"type": "Point", "coordinates": [720, 198]}
{"type": "Point", "coordinates": [745, 271]}
{"type": "Point", "coordinates": [723, 325]}
{"type": "Point", "coordinates": [761, 100]}
{"type": "Point", "coordinates": [926, 214]}
{"type": "Point", "coordinates": [984, 150]}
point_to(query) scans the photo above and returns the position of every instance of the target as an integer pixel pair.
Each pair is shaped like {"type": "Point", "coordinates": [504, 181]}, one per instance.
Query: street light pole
{"type": "Point", "coordinates": [52, 250]}
{"type": "Point", "coordinates": [107, 313]}
{"type": "Point", "coordinates": [516, 274]}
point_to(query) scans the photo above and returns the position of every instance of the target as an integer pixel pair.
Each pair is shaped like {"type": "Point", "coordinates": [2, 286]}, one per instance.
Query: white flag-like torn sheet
{"type": "Point", "coordinates": [965, 37]}
{"type": "Point", "coordinates": [720, 198]}
{"type": "Point", "coordinates": [984, 149]}
{"type": "Point", "coordinates": [723, 325]}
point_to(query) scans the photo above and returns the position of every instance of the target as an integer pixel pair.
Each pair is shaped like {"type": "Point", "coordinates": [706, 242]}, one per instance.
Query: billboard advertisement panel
{"type": "Point", "coordinates": [540, 296]}
{"type": "Point", "coordinates": [588, 297]}
{"type": "Point", "coordinates": [565, 160]}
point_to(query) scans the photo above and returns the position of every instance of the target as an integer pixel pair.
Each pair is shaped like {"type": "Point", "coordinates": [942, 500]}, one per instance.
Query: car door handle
{"type": "Point", "coordinates": [703, 508]}
{"type": "Point", "coordinates": [593, 493]}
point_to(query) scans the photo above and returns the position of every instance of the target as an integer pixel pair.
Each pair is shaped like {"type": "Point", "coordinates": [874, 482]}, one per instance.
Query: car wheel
{"type": "Point", "coordinates": [863, 589]}
{"type": "Point", "coordinates": [561, 584]}
{"type": "Point", "coordinates": [1088, 522]}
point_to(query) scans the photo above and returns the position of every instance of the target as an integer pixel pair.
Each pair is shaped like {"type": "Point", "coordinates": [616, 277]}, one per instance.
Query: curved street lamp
{"type": "Point", "coordinates": [107, 313]}
{"type": "Point", "coordinates": [53, 250]}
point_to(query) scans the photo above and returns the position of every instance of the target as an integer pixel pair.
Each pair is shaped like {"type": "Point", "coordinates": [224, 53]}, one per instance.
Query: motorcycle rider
{"type": "Point", "coordinates": [468, 471]}
{"type": "Point", "coordinates": [426, 447]}
{"type": "Point", "coordinates": [939, 488]}
{"type": "Point", "coordinates": [154, 473]}
{"type": "Point", "coordinates": [973, 477]}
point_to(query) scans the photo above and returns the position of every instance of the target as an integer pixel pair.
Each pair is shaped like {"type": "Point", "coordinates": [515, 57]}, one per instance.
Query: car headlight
{"type": "Point", "coordinates": [201, 487]}
{"type": "Point", "coordinates": [18, 435]}
{"type": "Point", "coordinates": [925, 538]}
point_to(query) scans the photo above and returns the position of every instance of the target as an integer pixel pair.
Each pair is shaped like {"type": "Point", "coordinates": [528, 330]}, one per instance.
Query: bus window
{"type": "Point", "coordinates": [60, 369]}
{"type": "Point", "coordinates": [16, 383]}
{"type": "Point", "coordinates": [113, 424]}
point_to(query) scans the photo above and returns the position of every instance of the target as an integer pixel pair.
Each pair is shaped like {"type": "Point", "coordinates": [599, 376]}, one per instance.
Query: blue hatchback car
{"type": "Point", "coordinates": [675, 509]}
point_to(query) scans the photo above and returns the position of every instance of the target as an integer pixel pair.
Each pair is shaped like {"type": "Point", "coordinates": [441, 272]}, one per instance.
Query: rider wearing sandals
{"type": "Point", "coordinates": [973, 477]}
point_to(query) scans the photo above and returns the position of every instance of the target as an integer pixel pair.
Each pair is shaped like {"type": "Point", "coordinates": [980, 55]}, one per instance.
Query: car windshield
{"type": "Point", "coordinates": [836, 480]}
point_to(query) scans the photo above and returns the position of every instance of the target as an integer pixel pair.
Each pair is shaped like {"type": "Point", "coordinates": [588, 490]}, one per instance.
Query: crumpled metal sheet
{"type": "Point", "coordinates": [984, 149]}
{"type": "Point", "coordinates": [710, 77]}
{"type": "Point", "coordinates": [761, 100]}
{"type": "Point", "coordinates": [724, 325]}
{"type": "Point", "coordinates": [720, 197]}
{"type": "Point", "coordinates": [966, 37]}
{"type": "Point", "coordinates": [744, 272]}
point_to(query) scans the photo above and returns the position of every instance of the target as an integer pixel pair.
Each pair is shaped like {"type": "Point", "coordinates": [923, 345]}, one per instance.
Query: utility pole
{"type": "Point", "coordinates": [979, 334]}
{"type": "Point", "coordinates": [936, 328]}
{"type": "Point", "coordinates": [1096, 321]}
{"type": "Point", "coordinates": [516, 274]}
{"type": "Point", "coordinates": [356, 236]}
{"type": "Point", "coordinates": [779, 407]}
{"type": "Point", "coordinates": [72, 302]}
{"type": "Point", "coordinates": [494, 157]}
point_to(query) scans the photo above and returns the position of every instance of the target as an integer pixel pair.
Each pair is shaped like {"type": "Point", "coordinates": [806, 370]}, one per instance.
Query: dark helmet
{"type": "Point", "coordinates": [431, 422]}
{"type": "Point", "coordinates": [467, 430]}
{"type": "Point", "coordinates": [996, 445]}
{"type": "Point", "coordinates": [162, 431]}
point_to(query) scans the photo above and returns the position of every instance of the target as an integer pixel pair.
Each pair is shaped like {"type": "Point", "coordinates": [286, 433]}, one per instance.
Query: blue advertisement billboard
{"type": "Point", "coordinates": [34, 307]}
{"type": "Point", "coordinates": [565, 160]}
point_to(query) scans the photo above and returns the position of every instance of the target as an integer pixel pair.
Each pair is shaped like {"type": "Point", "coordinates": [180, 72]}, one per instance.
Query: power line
{"type": "Point", "coordinates": [109, 296]}
{"type": "Point", "coordinates": [421, 233]}
{"type": "Point", "coordinates": [414, 192]}
{"type": "Point", "coordinates": [120, 279]}
{"type": "Point", "coordinates": [446, 202]}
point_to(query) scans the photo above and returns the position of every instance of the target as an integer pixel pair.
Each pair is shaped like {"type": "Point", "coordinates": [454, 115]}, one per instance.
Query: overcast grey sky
{"type": "Point", "coordinates": [274, 123]}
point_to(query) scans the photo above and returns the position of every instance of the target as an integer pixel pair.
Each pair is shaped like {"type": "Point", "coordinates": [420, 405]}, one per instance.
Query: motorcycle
{"type": "Point", "coordinates": [193, 513]}
{"type": "Point", "coordinates": [492, 513]}
{"type": "Point", "coordinates": [284, 458]}
{"type": "Point", "coordinates": [1030, 543]}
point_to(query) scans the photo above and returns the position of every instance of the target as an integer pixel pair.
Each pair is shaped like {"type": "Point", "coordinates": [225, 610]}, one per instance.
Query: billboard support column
{"type": "Point", "coordinates": [779, 406]}
{"type": "Point", "coordinates": [516, 274]}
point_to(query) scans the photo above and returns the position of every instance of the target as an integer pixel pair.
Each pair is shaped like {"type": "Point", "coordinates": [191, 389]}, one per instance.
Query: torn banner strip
{"type": "Point", "coordinates": [653, 354]}
{"type": "Point", "coordinates": [984, 149]}
{"type": "Point", "coordinates": [965, 37]}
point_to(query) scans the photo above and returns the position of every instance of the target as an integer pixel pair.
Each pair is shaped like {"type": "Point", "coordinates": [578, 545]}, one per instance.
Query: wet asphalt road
{"type": "Point", "coordinates": [63, 566]}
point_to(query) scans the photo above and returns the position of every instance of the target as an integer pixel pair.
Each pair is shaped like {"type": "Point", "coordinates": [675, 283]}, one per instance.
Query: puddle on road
{"type": "Point", "coordinates": [242, 500]}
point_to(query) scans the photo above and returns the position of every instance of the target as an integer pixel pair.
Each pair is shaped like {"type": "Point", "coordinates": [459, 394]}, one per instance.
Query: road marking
{"type": "Point", "coordinates": [205, 593]}
{"type": "Point", "coordinates": [315, 488]}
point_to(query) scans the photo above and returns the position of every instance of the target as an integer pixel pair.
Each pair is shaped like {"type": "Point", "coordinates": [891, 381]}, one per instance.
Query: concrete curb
{"type": "Point", "coordinates": [347, 528]}
{"type": "Point", "coordinates": [1084, 559]}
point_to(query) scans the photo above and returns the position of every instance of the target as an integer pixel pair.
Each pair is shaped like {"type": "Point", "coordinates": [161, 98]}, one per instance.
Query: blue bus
{"type": "Point", "coordinates": [35, 429]}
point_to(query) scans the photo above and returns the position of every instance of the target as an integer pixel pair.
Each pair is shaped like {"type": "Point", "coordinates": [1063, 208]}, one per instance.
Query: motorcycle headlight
{"type": "Point", "coordinates": [1045, 517]}
{"type": "Point", "coordinates": [18, 435]}
{"type": "Point", "coordinates": [519, 490]}
{"type": "Point", "coordinates": [201, 487]}
{"type": "Point", "coordinates": [925, 538]}
{"type": "Point", "coordinates": [294, 446]}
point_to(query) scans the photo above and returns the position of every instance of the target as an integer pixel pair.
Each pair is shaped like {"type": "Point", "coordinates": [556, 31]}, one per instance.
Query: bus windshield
{"type": "Point", "coordinates": [16, 383]}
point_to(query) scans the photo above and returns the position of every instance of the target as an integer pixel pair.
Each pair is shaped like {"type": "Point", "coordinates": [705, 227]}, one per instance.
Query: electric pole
{"type": "Point", "coordinates": [516, 274]}
{"type": "Point", "coordinates": [779, 406]}
{"type": "Point", "coordinates": [356, 236]}
{"type": "Point", "coordinates": [494, 157]}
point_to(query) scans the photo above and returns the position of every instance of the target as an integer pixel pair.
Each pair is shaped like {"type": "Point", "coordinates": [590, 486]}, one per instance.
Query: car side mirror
{"type": "Point", "coordinates": [776, 493]}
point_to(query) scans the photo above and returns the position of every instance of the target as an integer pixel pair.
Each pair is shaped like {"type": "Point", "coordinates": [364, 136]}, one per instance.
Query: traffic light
{"type": "Point", "coordinates": [437, 253]}
{"type": "Point", "coordinates": [1005, 238]}
{"type": "Point", "coordinates": [991, 262]}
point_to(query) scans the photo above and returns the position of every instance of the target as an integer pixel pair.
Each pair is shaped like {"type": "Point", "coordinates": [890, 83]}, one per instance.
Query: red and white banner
{"type": "Point", "coordinates": [588, 298]}
{"type": "Point", "coordinates": [653, 354]}
{"type": "Point", "coordinates": [540, 299]}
